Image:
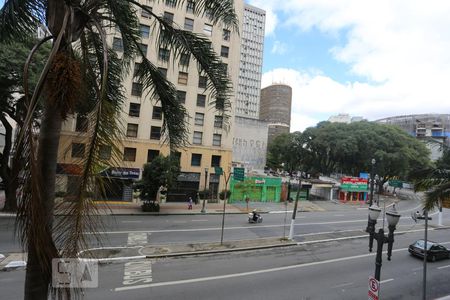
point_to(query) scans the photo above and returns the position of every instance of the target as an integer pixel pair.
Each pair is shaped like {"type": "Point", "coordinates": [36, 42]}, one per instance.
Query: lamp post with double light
{"type": "Point", "coordinates": [204, 192]}
{"type": "Point", "coordinates": [392, 217]}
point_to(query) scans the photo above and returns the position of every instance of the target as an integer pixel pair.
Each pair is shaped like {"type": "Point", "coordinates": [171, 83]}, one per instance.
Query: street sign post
{"type": "Point", "coordinates": [374, 288]}
{"type": "Point", "coordinates": [238, 174]}
{"type": "Point", "coordinates": [396, 183]}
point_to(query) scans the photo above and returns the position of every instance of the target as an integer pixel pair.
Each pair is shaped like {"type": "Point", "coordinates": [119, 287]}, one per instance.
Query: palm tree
{"type": "Point", "coordinates": [83, 73]}
{"type": "Point", "coordinates": [436, 184]}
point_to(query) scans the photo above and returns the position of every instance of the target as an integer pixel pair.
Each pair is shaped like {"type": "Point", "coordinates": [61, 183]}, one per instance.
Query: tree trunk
{"type": "Point", "coordinates": [38, 277]}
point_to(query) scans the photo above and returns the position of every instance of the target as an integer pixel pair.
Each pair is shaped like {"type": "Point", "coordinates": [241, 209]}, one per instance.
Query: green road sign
{"type": "Point", "coordinates": [218, 170]}
{"type": "Point", "coordinates": [396, 183]}
{"type": "Point", "coordinates": [238, 174]}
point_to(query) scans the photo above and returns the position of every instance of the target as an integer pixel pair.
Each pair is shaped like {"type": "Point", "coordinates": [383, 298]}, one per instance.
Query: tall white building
{"type": "Point", "coordinates": [251, 59]}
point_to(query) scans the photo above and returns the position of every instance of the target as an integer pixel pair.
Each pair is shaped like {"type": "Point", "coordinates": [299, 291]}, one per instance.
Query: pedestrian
{"type": "Point", "coordinates": [190, 203]}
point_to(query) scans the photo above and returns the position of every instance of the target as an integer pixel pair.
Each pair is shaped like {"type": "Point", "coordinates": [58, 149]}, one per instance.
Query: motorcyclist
{"type": "Point", "coordinates": [255, 215]}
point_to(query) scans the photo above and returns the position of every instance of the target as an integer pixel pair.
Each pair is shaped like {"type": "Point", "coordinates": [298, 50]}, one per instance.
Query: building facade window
{"type": "Point", "coordinates": [196, 160]}
{"type": "Point", "coordinates": [207, 29]}
{"type": "Point", "coordinates": [224, 50]}
{"type": "Point", "coordinates": [143, 48]}
{"type": "Point", "coordinates": [168, 17]}
{"type": "Point", "coordinates": [129, 154]}
{"type": "Point", "coordinates": [157, 113]}
{"type": "Point", "coordinates": [163, 72]}
{"type": "Point", "coordinates": [164, 54]}
{"type": "Point", "coordinates": [117, 44]}
{"type": "Point", "coordinates": [155, 133]}
{"type": "Point", "coordinates": [201, 100]}
{"type": "Point", "coordinates": [199, 119]}
{"type": "Point", "coordinates": [226, 35]}
{"type": "Point", "coordinates": [198, 136]}
{"type": "Point", "coordinates": [135, 110]}
{"type": "Point", "coordinates": [136, 89]}
{"type": "Point", "coordinates": [218, 121]}
{"type": "Point", "coordinates": [146, 14]}
{"type": "Point", "coordinates": [202, 82]}
{"type": "Point", "coordinates": [132, 130]}
{"type": "Point", "coordinates": [104, 152]}
{"type": "Point", "coordinates": [184, 60]}
{"type": "Point", "coordinates": [182, 78]}
{"type": "Point", "coordinates": [81, 124]}
{"type": "Point", "coordinates": [181, 96]}
{"type": "Point", "coordinates": [78, 150]}
{"type": "Point", "coordinates": [215, 160]}
{"type": "Point", "coordinates": [152, 154]}
{"type": "Point", "coordinates": [136, 69]}
{"type": "Point", "coordinates": [145, 31]}
{"type": "Point", "coordinates": [217, 139]}
{"type": "Point", "coordinates": [190, 6]}
{"type": "Point", "coordinates": [171, 3]}
{"type": "Point", "coordinates": [188, 24]}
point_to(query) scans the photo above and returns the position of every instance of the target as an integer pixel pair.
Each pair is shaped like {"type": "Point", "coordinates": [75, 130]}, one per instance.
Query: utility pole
{"type": "Point", "coordinates": [294, 213]}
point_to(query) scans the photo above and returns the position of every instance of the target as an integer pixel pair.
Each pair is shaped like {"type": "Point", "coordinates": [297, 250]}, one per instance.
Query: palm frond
{"type": "Point", "coordinates": [20, 18]}
{"type": "Point", "coordinates": [437, 194]}
{"type": "Point", "coordinates": [219, 11]}
{"type": "Point", "coordinates": [81, 214]}
{"type": "Point", "coordinates": [155, 84]}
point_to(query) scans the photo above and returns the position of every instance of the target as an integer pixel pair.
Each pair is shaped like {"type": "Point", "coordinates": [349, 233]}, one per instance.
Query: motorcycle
{"type": "Point", "coordinates": [259, 219]}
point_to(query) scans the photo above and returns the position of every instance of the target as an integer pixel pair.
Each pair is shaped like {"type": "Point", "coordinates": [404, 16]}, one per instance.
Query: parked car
{"type": "Point", "coordinates": [435, 251]}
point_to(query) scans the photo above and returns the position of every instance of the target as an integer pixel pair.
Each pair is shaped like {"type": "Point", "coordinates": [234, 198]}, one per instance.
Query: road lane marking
{"type": "Point", "coordinates": [387, 280]}
{"type": "Point", "coordinates": [226, 228]}
{"type": "Point", "coordinates": [131, 221]}
{"type": "Point", "coordinates": [137, 272]}
{"type": "Point", "coordinates": [137, 238]}
{"type": "Point", "coordinates": [342, 285]}
{"type": "Point", "coordinates": [443, 267]}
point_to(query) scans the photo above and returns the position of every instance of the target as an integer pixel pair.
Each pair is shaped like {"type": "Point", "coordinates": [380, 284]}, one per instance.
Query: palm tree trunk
{"type": "Point", "coordinates": [38, 276]}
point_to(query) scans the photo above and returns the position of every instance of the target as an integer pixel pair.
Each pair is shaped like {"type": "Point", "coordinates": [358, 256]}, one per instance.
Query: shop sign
{"type": "Point", "coordinates": [354, 184]}
{"type": "Point", "coordinates": [128, 173]}
{"type": "Point", "coordinates": [258, 181]}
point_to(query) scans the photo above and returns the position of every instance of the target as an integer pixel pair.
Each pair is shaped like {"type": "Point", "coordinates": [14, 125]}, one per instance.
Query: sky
{"type": "Point", "coordinates": [366, 58]}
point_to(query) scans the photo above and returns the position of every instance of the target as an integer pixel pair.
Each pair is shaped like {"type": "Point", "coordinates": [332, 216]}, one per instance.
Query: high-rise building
{"type": "Point", "coordinates": [210, 144]}
{"type": "Point", "coordinates": [276, 101]}
{"type": "Point", "coordinates": [250, 134]}
{"type": "Point", "coordinates": [251, 59]}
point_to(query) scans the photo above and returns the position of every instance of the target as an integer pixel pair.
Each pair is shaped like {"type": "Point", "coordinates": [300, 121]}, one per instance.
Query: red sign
{"type": "Point", "coordinates": [354, 180]}
{"type": "Point", "coordinates": [374, 288]}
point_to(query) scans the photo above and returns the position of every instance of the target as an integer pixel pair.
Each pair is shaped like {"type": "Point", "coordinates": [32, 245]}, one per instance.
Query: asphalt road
{"type": "Point", "coordinates": [336, 269]}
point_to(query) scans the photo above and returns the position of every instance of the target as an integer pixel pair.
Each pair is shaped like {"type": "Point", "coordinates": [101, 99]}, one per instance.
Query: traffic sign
{"type": "Point", "coordinates": [238, 174]}
{"type": "Point", "coordinates": [396, 183]}
{"type": "Point", "coordinates": [374, 288]}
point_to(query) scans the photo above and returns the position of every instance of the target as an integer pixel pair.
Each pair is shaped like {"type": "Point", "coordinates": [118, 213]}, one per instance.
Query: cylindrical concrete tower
{"type": "Point", "coordinates": [276, 101]}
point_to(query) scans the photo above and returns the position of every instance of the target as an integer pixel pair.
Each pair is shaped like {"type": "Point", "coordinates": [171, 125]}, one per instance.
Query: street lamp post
{"type": "Point", "coordinates": [392, 217]}
{"type": "Point", "coordinates": [372, 179]}
{"type": "Point", "coordinates": [204, 192]}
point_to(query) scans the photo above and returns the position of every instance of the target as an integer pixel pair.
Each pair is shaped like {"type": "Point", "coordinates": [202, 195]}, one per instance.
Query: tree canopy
{"type": "Point", "coordinates": [349, 149]}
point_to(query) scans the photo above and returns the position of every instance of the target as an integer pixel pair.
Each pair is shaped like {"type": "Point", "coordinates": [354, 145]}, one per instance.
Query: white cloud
{"type": "Point", "coordinates": [402, 47]}
{"type": "Point", "coordinates": [279, 48]}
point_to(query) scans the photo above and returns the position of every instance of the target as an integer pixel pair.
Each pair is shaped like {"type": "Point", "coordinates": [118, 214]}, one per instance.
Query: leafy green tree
{"type": "Point", "coordinates": [349, 149]}
{"type": "Point", "coordinates": [161, 171]}
{"type": "Point", "coordinates": [83, 71]}
{"type": "Point", "coordinates": [12, 109]}
{"type": "Point", "coordinates": [277, 149]}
